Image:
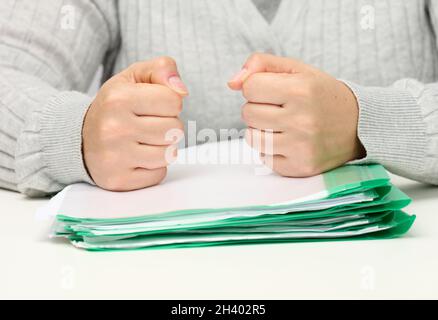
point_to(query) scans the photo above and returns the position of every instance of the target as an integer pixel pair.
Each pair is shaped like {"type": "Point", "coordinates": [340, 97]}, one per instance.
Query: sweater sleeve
{"type": "Point", "coordinates": [49, 53]}
{"type": "Point", "coordinates": [398, 126]}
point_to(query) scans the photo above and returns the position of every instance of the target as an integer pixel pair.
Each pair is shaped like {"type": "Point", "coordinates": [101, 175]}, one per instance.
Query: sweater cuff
{"type": "Point", "coordinates": [61, 137]}
{"type": "Point", "coordinates": [390, 127]}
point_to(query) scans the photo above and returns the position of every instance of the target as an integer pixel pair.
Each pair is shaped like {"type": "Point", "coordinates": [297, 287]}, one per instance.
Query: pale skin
{"type": "Point", "coordinates": [310, 116]}
{"type": "Point", "coordinates": [313, 116]}
{"type": "Point", "coordinates": [125, 143]}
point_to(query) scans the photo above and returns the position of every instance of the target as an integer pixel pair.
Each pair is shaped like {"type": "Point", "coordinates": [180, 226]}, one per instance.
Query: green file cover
{"type": "Point", "coordinates": [229, 204]}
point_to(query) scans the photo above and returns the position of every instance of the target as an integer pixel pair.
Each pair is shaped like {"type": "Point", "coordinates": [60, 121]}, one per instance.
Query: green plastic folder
{"type": "Point", "coordinates": [212, 197]}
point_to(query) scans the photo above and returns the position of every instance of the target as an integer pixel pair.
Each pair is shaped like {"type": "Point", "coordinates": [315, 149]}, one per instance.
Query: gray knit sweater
{"type": "Point", "coordinates": [49, 51]}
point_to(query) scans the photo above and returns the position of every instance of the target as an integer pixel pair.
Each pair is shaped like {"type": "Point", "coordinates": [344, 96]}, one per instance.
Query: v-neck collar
{"type": "Point", "coordinates": [262, 34]}
{"type": "Point", "coordinates": [259, 15]}
{"type": "Point", "coordinates": [267, 8]}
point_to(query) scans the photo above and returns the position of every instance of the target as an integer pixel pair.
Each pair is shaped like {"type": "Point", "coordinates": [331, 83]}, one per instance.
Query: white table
{"type": "Point", "coordinates": [31, 266]}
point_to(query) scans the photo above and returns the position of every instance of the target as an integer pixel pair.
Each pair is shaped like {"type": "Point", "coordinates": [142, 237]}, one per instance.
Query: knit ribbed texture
{"type": "Point", "coordinates": [50, 50]}
{"type": "Point", "coordinates": [384, 115]}
{"type": "Point", "coordinates": [59, 139]}
{"type": "Point", "coordinates": [56, 144]}
{"type": "Point", "coordinates": [45, 55]}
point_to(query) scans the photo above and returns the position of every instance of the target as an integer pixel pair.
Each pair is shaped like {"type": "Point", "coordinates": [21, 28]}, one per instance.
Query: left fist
{"type": "Point", "coordinates": [301, 120]}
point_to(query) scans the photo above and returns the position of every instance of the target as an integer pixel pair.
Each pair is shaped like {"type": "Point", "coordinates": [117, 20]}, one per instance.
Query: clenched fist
{"type": "Point", "coordinates": [130, 130]}
{"type": "Point", "coordinates": [301, 120]}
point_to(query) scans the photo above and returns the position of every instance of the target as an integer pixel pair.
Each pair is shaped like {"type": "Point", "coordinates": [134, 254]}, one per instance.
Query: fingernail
{"type": "Point", "coordinates": [240, 76]}
{"type": "Point", "coordinates": [176, 83]}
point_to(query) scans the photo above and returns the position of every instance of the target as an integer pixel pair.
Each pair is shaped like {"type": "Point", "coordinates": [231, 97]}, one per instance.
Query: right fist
{"type": "Point", "coordinates": [132, 128]}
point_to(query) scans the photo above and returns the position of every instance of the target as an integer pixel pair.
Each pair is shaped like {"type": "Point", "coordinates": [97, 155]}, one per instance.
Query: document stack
{"type": "Point", "coordinates": [213, 196]}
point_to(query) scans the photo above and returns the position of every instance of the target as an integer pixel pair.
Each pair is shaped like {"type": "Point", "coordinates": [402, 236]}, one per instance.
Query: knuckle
{"type": "Point", "coordinates": [107, 86]}
{"type": "Point", "coordinates": [165, 61]}
{"type": "Point", "coordinates": [138, 65]}
{"type": "Point", "coordinates": [135, 65]}
{"type": "Point", "coordinates": [109, 127]}
{"type": "Point", "coordinates": [256, 58]}
{"type": "Point", "coordinates": [113, 100]}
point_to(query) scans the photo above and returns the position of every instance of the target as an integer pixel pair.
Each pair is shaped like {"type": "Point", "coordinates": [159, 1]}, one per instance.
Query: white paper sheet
{"type": "Point", "coordinates": [234, 182]}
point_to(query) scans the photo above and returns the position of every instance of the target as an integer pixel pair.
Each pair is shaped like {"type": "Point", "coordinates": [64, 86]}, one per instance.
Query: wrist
{"type": "Point", "coordinates": [352, 107]}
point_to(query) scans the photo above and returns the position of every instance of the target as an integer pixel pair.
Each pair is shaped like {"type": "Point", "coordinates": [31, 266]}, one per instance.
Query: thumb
{"type": "Point", "coordinates": [161, 71]}
{"type": "Point", "coordinates": [262, 62]}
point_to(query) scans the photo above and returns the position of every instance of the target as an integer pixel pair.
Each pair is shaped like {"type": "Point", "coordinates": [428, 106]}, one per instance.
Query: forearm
{"type": "Point", "coordinates": [398, 127]}
{"type": "Point", "coordinates": [42, 68]}
{"type": "Point", "coordinates": [40, 135]}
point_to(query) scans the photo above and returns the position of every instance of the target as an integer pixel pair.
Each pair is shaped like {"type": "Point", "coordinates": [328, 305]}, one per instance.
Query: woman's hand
{"type": "Point", "coordinates": [303, 121]}
{"type": "Point", "coordinates": [130, 130]}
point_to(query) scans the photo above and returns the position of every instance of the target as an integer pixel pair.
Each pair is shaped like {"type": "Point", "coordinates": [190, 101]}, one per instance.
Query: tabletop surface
{"type": "Point", "coordinates": [33, 266]}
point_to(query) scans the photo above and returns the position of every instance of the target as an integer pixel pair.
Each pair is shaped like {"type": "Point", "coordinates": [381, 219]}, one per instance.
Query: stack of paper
{"type": "Point", "coordinates": [215, 196]}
